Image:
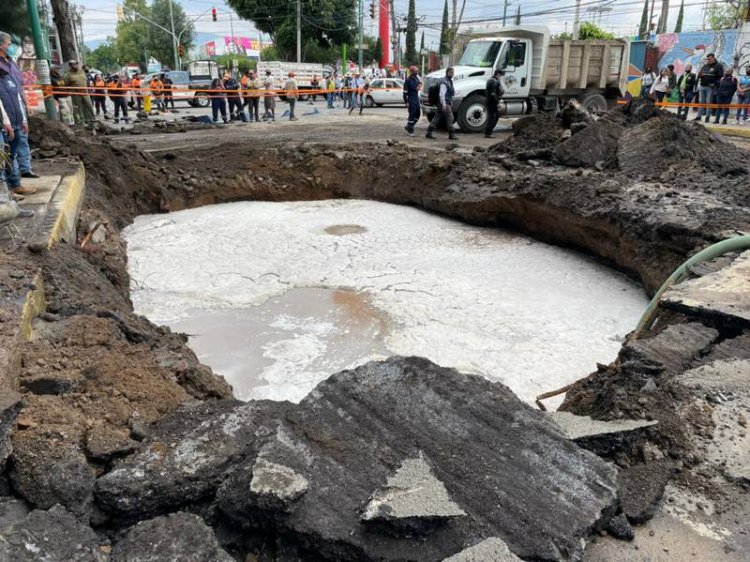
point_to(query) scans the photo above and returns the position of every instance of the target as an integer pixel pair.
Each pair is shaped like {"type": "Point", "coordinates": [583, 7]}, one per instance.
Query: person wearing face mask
{"type": "Point", "coordinates": [8, 51]}
{"type": "Point", "coordinates": [686, 85]}
{"type": "Point", "coordinates": [724, 94]}
{"type": "Point", "coordinates": [743, 95]}
{"type": "Point", "coordinates": [83, 110]}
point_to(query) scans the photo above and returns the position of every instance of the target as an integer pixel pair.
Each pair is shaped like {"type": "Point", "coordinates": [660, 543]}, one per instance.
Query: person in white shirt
{"type": "Point", "coordinates": [660, 87]}
{"type": "Point", "coordinates": [647, 80]}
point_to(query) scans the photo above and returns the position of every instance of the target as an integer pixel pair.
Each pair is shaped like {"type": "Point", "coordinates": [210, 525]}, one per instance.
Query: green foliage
{"type": "Point", "coordinates": [445, 33]}
{"type": "Point", "coordinates": [132, 34]}
{"type": "Point", "coordinates": [410, 54]}
{"type": "Point", "coordinates": [243, 63]}
{"type": "Point", "coordinates": [325, 23]}
{"type": "Point", "coordinates": [160, 42]}
{"type": "Point", "coordinates": [104, 57]}
{"type": "Point", "coordinates": [725, 16]}
{"type": "Point", "coordinates": [270, 53]}
{"type": "Point", "coordinates": [643, 27]}
{"type": "Point", "coordinates": [13, 18]}
{"type": "Point", "coordinates": [680, 16]}
{"type": "Point", "coordinates": [136, 39]}
{"type": "Point", "coordinates": [588, 30]}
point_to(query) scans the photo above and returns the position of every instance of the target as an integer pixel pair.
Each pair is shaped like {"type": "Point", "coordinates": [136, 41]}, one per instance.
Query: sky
{"type": "Point", "coordinates": [619, 16]}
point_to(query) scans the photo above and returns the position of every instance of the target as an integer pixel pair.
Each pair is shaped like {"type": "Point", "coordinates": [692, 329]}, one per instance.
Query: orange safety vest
{"type": "Point", "coordinates": [99, 83]}
{"type": "Point", "coordinates": [136, 83]}
{"type": "Point", "coordinates": [156, 86]}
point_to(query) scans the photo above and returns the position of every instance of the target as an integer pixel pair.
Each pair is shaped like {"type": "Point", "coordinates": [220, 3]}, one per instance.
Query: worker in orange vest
{"type": "Point", "coordinates": [99, 95]}
{"type": "Point", "coordinates": [157, 89]}
{"type": "Point", "coordinates": [135, 86]}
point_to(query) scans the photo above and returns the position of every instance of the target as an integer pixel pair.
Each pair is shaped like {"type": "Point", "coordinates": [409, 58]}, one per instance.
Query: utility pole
{"type": "Point", "coordinates": [664, 16]}
{"type": "Point", "coordinates": [577, 20]}
{"type": "Point", "coordinates": [174, 37]}
{"type": "Point", "coordinates": [359, 35]}
{"type": "Point", "coordinates": [65, 32]}
{"type": "Point", "coordinates": [42, 59]}
{"type": "Point", "coordinates": [395, 39]}
{"type": "Point", "coordinates": [651, 17]}
{"type": "Point", "coordinates": [505, 11]}
{"type": "Point", "coordinates": [299, 31]}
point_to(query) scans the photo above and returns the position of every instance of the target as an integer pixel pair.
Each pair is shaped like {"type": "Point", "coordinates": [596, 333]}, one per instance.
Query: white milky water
{"type": "Point", "coordinates": [277, 296]}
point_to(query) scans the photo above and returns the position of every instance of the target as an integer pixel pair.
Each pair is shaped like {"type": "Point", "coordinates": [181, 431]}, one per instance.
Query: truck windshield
{"type": "Point", "coordinates": [481, 53]}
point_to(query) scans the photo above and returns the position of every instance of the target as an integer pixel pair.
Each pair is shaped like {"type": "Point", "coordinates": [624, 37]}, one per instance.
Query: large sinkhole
{"type": "Point", "coordinates": [278, 296]}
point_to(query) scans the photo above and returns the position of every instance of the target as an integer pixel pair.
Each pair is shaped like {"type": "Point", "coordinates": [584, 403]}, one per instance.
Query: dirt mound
{"type": "Point", "coordinates": [533, 134]}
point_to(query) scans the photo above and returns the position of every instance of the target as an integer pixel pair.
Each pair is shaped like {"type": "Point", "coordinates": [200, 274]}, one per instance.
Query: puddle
{"type": "Point", "coordinates": [261, 294]}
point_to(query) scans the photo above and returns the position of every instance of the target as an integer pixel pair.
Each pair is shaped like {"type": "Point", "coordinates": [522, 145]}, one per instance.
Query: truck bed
{"type": "Point", "coordinates": [585, 65]}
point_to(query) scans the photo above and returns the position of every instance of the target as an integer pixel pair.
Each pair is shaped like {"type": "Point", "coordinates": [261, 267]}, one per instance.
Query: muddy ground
{"type": "Point", "coordinates": [638, 189]}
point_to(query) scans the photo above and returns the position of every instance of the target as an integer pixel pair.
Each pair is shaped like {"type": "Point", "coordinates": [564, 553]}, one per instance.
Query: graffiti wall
{"type": "Point", "coordinates": [692, 47]}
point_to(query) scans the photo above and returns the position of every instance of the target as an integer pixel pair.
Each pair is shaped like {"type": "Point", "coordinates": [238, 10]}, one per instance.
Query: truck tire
{"type": "Point", "coordinates": [472, 115]}
{"type": "Point", "coordinates": [202, 100]}
{"type": "Point", "coordinates": [594, 103]}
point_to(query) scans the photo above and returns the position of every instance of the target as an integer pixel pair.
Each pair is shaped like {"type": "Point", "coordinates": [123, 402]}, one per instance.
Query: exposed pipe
{"type": "Point", "coordinates": [719, 249]}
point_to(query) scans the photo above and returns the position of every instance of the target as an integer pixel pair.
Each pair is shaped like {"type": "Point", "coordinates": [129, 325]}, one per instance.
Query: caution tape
{"type": "Point", "coordinates": [696, 105]}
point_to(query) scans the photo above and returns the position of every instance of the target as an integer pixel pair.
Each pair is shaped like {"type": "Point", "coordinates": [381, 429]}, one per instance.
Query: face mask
{"type": "Point", "coordinates": [12, 50]}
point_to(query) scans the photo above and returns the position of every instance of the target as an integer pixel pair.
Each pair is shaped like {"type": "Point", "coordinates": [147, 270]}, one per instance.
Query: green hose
{"type": "Point", "coordinates": [719, 249]}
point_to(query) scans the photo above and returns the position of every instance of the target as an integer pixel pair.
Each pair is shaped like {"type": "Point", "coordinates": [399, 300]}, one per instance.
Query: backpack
{"type": "Point", "coordinates": [433, 94]}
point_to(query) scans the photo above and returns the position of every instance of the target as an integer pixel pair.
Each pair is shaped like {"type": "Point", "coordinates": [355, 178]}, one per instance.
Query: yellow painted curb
{"type": "Point", "coordinates": [730, 131]}
{"type": "Point", "coordinates": [65, 206]}
{"type": "Point", "coordinates": [33, 306]}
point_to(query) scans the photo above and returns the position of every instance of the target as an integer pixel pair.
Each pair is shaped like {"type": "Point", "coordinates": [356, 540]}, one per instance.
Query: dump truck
{"type": "Point", "coordinates": [538, 72]}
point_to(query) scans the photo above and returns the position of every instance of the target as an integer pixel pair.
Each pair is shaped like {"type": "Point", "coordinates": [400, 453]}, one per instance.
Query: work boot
{"type": "Point", "coordinates": [29, 175]}
{"type": "Point", "coordinates": [489, 136]}
{"type": "Point", "coordinates": [24, 190]}
{"type": "Point", "coordinates": [429, 134]}
{"type": "Point", "coordinates": [25, 213]}
{"type": "Point", "coordinates": [452, 136]}
{"type": "Point", "coordinates": [724, 121]}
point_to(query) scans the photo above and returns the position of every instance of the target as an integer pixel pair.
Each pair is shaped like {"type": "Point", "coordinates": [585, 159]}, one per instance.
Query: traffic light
{"type": "Point", "coordinates": [372, 9]}
{"type": "Point", "coordinates": [119, 12]}
{"type": "Point", "coordinates": [213, 14]}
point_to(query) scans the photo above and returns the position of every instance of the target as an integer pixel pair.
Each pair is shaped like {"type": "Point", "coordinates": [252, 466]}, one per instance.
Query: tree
{"type": "Point", "coordinates": [410, 56]}
{"type": "Point", "coordinates": [159, 41]}
{"type": "Point", "coordinates": [643, 27]}
{"type": "Point", "coordinates": [518, 15]}
{"type": "Point", "coordinates": [445, 32]}
{"type": "Point", "coordinates": [680, 15]}
{"type": "Point", "coordinates": [64, 24]}
{"type": "Point", "coordinates": [588, 30]}
{"type": "Point", "coordinates": [14, 18]}
{"type": "Point", "coordinates": [325, 23]}
{"type": "Point", "coordinates": [725, 16]}
{"type": "Point", "coordinates": [377, 52]}
{"type": "Point", "coordinates": [104, 57]}
{"type": "Point", "coordinates": [132, 34]}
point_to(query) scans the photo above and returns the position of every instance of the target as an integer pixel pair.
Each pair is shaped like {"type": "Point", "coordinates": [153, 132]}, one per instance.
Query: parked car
{"type": "Point", "coordinates": [385, 91]}
{"type": "Point", "coordinates": [184, 88]}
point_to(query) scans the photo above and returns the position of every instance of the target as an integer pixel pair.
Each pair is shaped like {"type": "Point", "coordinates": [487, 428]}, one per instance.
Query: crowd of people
{"type": "Point", "coordinates": [713, 84]}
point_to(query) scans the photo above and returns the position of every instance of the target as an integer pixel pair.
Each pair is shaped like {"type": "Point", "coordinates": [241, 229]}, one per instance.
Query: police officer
{"type": "Point", "coordinates": [445, 106]}
{"type": "Point", "coordinates": [412, 86]}
{"type": "Point", "coordinates": [493, 92]}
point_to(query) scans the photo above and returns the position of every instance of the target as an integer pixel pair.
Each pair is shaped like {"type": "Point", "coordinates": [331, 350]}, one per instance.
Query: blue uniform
{"type": "Point", "coordinates": [411, 97]}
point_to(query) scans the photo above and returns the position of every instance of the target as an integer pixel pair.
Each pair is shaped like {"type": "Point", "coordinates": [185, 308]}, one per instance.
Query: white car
{"type": "Point", "coordinates": [385, 91]}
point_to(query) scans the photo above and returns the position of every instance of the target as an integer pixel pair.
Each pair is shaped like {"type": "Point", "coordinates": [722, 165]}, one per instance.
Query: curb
{"type": "Point", "coordinates": [729, 131]}
{"type": "Point", "coordinates": [63, 209]}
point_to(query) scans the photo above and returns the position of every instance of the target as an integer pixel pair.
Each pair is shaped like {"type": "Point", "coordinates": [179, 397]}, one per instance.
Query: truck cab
{"type": "Point", "coordinates": [536, 71]}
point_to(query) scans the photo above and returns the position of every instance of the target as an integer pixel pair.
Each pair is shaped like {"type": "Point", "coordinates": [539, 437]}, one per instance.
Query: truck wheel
{"type": "Point", "coordinates": [594, 103]}
{"type": "Point", "coordinates": [201, 100]}
{"type": "Point", "coordinates": [472, 115]}
{"type": "Point", "coordinates": [369, 102]}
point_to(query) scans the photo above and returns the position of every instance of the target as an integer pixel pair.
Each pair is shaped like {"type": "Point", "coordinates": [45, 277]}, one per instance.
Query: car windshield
{"type": "Point", "coordinates": [481, 53]}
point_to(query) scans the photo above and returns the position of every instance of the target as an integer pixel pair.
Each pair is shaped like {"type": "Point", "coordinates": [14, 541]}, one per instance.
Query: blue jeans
{"type": "Point", "coordinates": [705, 95]}
{"type": "Point", "coordinates": [22, 162]}
{"type": "Point", "coordinates": [723, 111]}
{"type": "Point", "coordinates": [329, 97]}
{"type": "Point", "coordinates": [687, 97]}
{"type": "Point", "coordinates": [743, 99]}
{"type": "Point", "coordinates": [12, 176]}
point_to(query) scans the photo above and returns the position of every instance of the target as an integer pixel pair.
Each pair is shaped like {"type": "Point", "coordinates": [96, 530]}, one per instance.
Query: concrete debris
{"type": "Point", "coordinates": [53, 535]}
{"type": "Point", "coordinates": [180, 536]}
{"type": "Point", "coordinates": [641, 488]}
{"type": "Point", "coordinates": [620, 528]}
{"type": "Point", "coordinates": [489, 550]}
{"type": "Point", "coordinates": [580, 427]}
{"type": "Point", "coordinates": [276, 484]}
{"type": "Point", "coordinates": [412, 493]}
{"type": "Point", "coordinates": [10, 405]}
{"type": "Point", "coordinates": [724, 294]}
